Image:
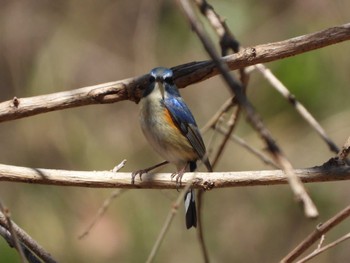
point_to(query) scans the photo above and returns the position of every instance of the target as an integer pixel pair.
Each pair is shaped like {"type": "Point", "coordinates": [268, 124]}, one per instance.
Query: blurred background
{"type": "Point", "coordinates": [52, 46]}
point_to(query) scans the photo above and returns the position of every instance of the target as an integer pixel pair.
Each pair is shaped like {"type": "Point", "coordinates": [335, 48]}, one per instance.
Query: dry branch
{"type": "Point", "coordinates": [28, 241]}
{"type": "Point", "coordinates": [253, 118]}
{"type": "Point", "coordinates": [106, 179]}
{"type": "Point", "coordinates": [320, 230]}
{"type": "Point", "coordinates": [186, 74]}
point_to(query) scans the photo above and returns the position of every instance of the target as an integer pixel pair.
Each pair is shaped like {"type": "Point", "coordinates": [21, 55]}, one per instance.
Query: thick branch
{"type": "Point", "coordinates": [106, 179]}
{"type": "Point", "coordinates": [186, 74]}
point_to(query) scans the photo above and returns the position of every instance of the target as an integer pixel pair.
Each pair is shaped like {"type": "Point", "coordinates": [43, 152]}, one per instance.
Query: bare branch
{"type": "Point", "coordinates": [278, 85]}
{"type": "Point", "coordinates": [107, 179]}
{"type": "Point", "coordinates": [320, 249]}
{"type": "Point", "coordinates": [200, 231]}
{"type": "Point", "coordinates": [249, 148]}
{"type": "Point", "coordinates": [317, 234]}
{"type": "Point", "coordinates": [106, 202]}
{"type": "Point", "coordinates": [30, 256]}
{"type": "Point", "coordinates": [169, 219]}
{"type": "Point", "coordinates": [101, 211]}
{"type": "Point", "coordinates": [28, 241]}
{"type": "Point", "coordinates": [16, 242]}
{"type": "Point", "coordinates": [227, 40]}
{"type": "Point", "coordinates": [186, 74]}
{"type": "Point", "coordinates": [236, 88]}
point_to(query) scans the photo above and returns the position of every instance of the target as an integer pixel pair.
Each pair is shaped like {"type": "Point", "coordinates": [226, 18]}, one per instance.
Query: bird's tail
{"type": "Point", "coordinates": [190, 209]}
{"type": "Point", "coordinates": [190, 203]}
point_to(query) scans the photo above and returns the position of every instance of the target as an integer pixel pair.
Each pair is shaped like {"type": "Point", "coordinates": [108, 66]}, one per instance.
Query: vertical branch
{"type": "Point", "coordinates": [200, 227]}
{"type": "Point", "coordinates": [231, 125]}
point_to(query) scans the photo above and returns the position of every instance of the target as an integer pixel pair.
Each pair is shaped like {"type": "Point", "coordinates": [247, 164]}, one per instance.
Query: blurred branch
{"type": "Point", "coordinates": [320, 249]}
{"type": "Point", "coordinates": [227, 40]}
{"type": "Point", "coordinates": [12, 232]}
{"type": "Point", "coordinates": [186, 74]}
{"type": "Point", "coordinates": [320, 230]}
{"type": "Point", "coordinates": [278, 85]}
{"type": "Point", "coordinates": [28, 241]}
{"type": "Point", "coordinates": [200, 231]}
{"type": "Point", "coordinates": [116, 193]}
{"type": "Point", "coordinates": [205, 180]}
{"type": "Point", "coordinates": [30, 256]}
{"type": "Point", "coordinates": [173, 211]}
{"type": "Point", "coordinates": [254, 119]}
{"type": "Point", "coordinates": [249, 148]}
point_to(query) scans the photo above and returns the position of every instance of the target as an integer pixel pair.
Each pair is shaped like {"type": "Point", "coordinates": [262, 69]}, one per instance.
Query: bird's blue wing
{"type": "Point", "coordinates": [184, 120]}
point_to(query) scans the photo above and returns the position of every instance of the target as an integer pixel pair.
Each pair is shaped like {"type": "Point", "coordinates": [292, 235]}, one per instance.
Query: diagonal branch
{"type": "Point", "coordinates": [28, 241]}
{"type": "Point", "coordinates": [186, 74]}
{"type": "Point", "coordinates": [254, 119]}
{"type": "Point", "coordinates": [316, 234]}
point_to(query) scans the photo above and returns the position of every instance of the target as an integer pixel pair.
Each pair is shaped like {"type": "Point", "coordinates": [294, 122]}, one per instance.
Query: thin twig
{"type": "Point", "coordinates": [278, 85]}
{"type": "Point", "coordinates": [169, 219]}
{"type": "Point", "coordinates": [249, 148]}
{"type": "Point", "coordinates": [316, 234]}
{"type": "Point", "coordinates": [322, 239]}
{"type": "Point", "coordinates": [30, 256]}
{"type": "Point", "coordinates": [106, 202]}
{"type": "Point", "coordinates": [228, 104]}
{"type": "Point", "coordinates": [297, 187]}
{"type": "Point", "coordinates": [200, 231]}
{"type": "Point", "coordinates": [320, 250]}
{"type": "Point", "coordinates": [231, 125]}
{"type": "Point", "coordinates": [119, 166]}
{"type": "Point", "coordinates": [16, 242]}
{"type": "Point", "coordinates": [116, 193]}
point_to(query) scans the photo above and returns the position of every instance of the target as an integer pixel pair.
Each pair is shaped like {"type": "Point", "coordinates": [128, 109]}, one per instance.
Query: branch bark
{"type": "Point", "coordinates": [186, 74]}
{"type": "Point", "coordinates": [207, 181]}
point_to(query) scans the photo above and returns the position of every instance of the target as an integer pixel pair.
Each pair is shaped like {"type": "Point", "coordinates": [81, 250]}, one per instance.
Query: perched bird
{"type": "Point", "coordinates": [170, 128]}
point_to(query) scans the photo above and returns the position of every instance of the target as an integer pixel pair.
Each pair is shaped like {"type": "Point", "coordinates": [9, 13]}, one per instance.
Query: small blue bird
{"type": "Point", "coordinates": [170, 128]}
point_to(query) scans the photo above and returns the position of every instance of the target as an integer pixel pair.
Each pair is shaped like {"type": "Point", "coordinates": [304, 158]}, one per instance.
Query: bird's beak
{"type": "Point", "coordinates": [161, 87]}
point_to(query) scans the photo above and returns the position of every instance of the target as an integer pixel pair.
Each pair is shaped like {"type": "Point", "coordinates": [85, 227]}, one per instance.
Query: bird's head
{"type": "Point", "coordinates": [161, 82]}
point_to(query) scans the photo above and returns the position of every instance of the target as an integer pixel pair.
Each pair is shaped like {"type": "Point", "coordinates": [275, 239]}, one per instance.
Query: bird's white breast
{"type": "Point", "coordinates": [162, 135]}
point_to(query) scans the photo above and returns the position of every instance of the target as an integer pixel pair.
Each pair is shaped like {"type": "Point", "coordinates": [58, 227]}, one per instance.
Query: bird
{"type": "Point", "coordinates": [170, 128]}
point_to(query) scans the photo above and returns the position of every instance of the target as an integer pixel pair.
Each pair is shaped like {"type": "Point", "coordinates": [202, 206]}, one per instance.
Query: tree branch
{"type": "Point", "coordinates": [28, 241]}
{"type": "Point", "coordinates": [107, 179]}
{"type": "Point", "coordinates": [320, 230]}
{"type": "Point", "coordinates": [186, 74]}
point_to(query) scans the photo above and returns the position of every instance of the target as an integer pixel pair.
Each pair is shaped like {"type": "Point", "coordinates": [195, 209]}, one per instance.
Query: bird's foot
{"type": "Point", "coordinates": [138, 172]}
{"type": "Point", "coordinates": [178, 176]}
{"type": "Point", "coordinates": [145, 171]}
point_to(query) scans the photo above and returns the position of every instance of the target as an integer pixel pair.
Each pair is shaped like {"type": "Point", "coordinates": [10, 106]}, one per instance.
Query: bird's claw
{"type": "Point", "coordinates": [178, 178]}
{"type": "Point", "coordinates": [138, 172]}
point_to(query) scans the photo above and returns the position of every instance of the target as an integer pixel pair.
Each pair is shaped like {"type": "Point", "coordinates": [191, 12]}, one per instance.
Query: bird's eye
{"type": "Point", "coordinates": [152, 79]}
{"type": "Point", "coordinates": [168, 80]}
